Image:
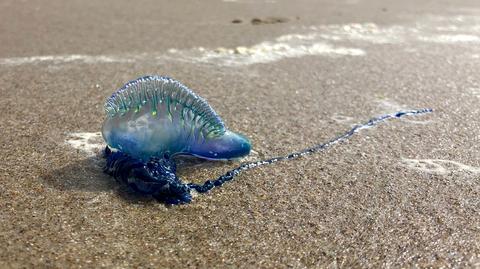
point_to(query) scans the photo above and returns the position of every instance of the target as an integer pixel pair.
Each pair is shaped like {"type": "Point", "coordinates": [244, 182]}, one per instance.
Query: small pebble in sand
{"type": "Point", "coordinates": [268, 20]}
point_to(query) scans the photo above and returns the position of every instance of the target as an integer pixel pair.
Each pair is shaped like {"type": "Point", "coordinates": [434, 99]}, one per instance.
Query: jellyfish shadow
{"type": "Point", "coordinates": [87, 175]}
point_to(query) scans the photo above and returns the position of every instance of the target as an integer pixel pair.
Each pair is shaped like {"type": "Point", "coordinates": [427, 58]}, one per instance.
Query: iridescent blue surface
{"type": "Point", "coordinates": [157, 116]}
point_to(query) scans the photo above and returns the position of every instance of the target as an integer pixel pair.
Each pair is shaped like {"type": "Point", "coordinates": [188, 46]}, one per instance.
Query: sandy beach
{"type": "Point", "coordinates": [286, 75]}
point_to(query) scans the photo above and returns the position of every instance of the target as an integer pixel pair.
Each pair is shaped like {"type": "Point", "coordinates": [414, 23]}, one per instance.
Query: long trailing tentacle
{"type": "Point", "coordinates": [157, 176]}
{"type": "Point", "coordinates": [210, 184]}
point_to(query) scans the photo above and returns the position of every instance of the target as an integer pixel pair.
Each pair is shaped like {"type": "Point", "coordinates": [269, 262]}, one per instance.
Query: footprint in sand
{"type": "Point", "coordinates": [439, 167]}
{"type": "Point", "coordinates": [89, 143]}
{"type": "Point", "coordinates": [341, 118]}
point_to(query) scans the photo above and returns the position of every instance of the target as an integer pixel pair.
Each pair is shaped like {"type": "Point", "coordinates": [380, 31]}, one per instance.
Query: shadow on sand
{"type": "Point", "coordinates": [87, 175]}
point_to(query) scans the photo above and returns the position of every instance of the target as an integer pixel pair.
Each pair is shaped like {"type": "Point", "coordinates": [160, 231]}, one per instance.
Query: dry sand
{"type": "Point", "coordinates": [404, 194]}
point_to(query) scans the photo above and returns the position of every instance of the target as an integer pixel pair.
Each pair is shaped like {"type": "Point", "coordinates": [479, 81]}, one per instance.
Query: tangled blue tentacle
{"type": "Point", "coordinates": [156, 177]}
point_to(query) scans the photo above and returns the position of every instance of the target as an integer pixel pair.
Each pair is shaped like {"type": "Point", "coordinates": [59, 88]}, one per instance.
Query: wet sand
{"type": "Point", "coordinates": [403, 194]}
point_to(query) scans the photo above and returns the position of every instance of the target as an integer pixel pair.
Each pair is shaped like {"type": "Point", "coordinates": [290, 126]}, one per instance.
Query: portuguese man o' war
{"type": "Point", "coordinates": [153, 119]}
